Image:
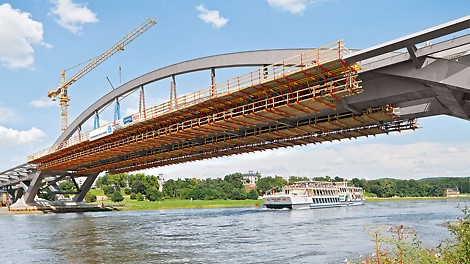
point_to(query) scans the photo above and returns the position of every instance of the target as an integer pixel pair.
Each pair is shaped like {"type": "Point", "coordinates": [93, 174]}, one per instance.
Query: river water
{"type": "Point", "coordinates": [226, 235]}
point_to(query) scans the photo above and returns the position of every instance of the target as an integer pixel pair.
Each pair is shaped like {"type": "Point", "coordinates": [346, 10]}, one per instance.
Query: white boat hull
{"type": "Point", "coordinates": [296, 202]}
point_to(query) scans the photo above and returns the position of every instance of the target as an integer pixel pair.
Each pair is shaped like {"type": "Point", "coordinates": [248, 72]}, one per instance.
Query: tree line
{"type": "Point", "coordinates": [140, 186]}
{"type": "Point", "coordinates": [427, 187]}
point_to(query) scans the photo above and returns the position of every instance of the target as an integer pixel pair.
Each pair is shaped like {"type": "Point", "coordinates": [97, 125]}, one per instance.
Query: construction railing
{"type": "Point", "coordinates": [315, 58]}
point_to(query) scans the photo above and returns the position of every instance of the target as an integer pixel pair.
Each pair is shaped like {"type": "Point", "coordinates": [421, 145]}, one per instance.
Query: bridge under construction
{"type": "Point", "coordinates": [296, 97]}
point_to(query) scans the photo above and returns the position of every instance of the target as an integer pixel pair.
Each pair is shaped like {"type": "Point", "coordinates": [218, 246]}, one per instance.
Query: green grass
{"type": "Point", "coordinates": [128, 204]}
{"type": "Point", "coordinates": [96, 192]}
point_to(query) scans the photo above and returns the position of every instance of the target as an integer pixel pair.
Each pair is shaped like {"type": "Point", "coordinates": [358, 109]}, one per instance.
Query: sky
{"type": "Point", "coordinates": [39, 38]}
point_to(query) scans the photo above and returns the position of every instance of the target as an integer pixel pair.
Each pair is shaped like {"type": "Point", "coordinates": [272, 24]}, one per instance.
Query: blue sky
{"type": "Point", "coordinates": [39, 38]}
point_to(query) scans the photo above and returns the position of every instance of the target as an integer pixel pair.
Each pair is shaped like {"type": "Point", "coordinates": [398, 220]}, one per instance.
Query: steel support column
{"type": "Point", "coordinates": [34, 186]}
{"type": "Point", "coordinates": [85, 187]}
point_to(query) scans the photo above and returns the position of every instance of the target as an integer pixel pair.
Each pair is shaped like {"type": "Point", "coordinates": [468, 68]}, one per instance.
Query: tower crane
{"type": "Point", "coordinates": [61, 91]}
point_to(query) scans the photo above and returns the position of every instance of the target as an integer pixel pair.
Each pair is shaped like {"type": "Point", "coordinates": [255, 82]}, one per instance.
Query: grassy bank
{"type": "Point", "coordinates": [375, 199]}
{"type": "Point", "coordinates": [129, 204]}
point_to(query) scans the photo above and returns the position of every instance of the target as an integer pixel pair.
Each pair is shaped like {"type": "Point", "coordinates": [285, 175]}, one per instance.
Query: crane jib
{"type": "Point", "coordinates": [119, 46]}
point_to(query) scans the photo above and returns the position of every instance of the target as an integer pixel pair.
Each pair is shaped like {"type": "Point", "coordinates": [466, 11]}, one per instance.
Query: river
{"type": "Point", "coordinates": [223, 235]}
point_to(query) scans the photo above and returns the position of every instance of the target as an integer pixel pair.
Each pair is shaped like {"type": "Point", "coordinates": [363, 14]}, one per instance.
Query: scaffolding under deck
{"type": "Point", "coordinates": [280, 105]}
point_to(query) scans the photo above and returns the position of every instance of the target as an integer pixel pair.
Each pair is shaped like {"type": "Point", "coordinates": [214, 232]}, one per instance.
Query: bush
{"type": "Point", "coordinates": [90, 198]}
{"type": "Point", "coordinates": [108, 190]}
{"type": "Point", "coordinates": [460, 251]}
{"type": "Point", "coordinates": [117, 197]}
{"type": "Point", "coordinates": [237, 194]}
{"type": "Point", "coordinates": [127, 191]}
{"type": "Point", "coordinates": [253, 195]}
{"type": "Point", "coordinates": [48, 195]}
{"type": "Point", "coordinates": [133, 196]}
{"type": "Point", "coordinates": [152, 194]}
{"type": "Point", "coordinates": [399, 244]}
{"type": "Point", "coordinates": [139, 197]}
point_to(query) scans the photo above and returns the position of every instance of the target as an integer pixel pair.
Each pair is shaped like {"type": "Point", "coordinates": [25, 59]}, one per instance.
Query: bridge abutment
{"type": "Point", "coordinates": [30, 201]}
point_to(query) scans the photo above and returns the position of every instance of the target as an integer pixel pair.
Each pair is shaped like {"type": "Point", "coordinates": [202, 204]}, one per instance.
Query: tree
{"type": "Point", "coordinates": [237, 194]}
{"type": "Point", "coordinates": [338, 179]}
{"type": "Point", "coordinates": [235, 179]}
{"type": "Point", "coordinates": [90, 198]}
{"type": "Point", "coordinates": [48, 195]}
{"type": "Point", "coordinates": [117, 197]}
{"type": "Point", "coordinates": [265, 184]}
{"type": "Point", "coordinates": [152, 194]}
{"type": "Point", "coordinates": [170, 188]}
{"type": "Point", "coordinates": [67, 186]}
{"type": "Point", "coordinates": [151, 181]}
{"type": "Point", "coordinates": [109, 190]}
{"type": "Point", "coordinates": [293, 179]}
{"type": "Point", "coordinates": [253, 195]}
{"type": "Point", "coordinates": [138, 186]}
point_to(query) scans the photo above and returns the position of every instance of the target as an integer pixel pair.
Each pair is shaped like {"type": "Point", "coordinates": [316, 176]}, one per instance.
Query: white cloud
{"type": "Point", "coordinates": [129, 111]}
{"type": "Point", "coordinates": [72, 16]}
{"type": "Point", "coordinates": [90, 124]}
{"type": "Point", "coordinates": [43, 102]}
{"type": "Point", "coordinates": [211, 17]}
{"type": "Point", "coordinates": [6, 113]}
{"type": "Point", "coordinates": [293, 6]}
{"type": "Point", "coordinates": [18, 34]}
{"type": "Point", "coordinates": [346, 159]}
{"type": "Point", "coordinates": [12, 137]}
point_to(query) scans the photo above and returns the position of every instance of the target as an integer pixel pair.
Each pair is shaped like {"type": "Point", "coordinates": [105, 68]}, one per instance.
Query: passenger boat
{"type": "Point", "coordinates": [314, 194]}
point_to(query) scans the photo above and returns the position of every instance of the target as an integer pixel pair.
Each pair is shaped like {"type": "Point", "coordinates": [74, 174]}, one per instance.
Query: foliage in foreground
{"type": "Point", "coordinates": [400, 245]}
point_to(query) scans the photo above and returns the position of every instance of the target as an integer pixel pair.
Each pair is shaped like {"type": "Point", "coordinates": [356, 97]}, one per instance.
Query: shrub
{"type": "Point", "coordinates": [400, 245]}
{"type": "Point", "coordinates": [90, 198]}
{"type": "Point", "coordinates": [117, 197]}
{"type": "Point", "coordinates": [108, 190]}
{"type": "Point", "coordinates": [152, 194]}
{"type": "Point", "coordinates": [139, 197]}
{"type": "Point", "coordinates": [460, 251]}
{"type": "Point", "coordinates": [133, 196]}
{"type": "Point", "coordinates": [253, 195]}
{"type": "Point", "coordinates": [127, 191]}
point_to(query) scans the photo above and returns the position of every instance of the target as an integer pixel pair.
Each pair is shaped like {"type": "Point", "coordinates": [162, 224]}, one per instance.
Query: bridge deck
{"type": "Point", "coordinates": [275, 106]}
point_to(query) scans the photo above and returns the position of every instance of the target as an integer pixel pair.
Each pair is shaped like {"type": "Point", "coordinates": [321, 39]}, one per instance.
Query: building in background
{"type": "Point", "coordinates": [250, 179]}
{"type": "Point", "coordinates": [161, 181]}
{"type": "Point", "coordinates": [452, 192]}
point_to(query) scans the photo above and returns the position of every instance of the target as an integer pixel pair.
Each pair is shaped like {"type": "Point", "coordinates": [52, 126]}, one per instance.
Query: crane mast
{"type": "Point", "coordinates": [61, 91]}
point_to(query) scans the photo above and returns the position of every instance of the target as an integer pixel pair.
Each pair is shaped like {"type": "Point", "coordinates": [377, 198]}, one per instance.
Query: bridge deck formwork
{"type": "Point", "coordinates": [280, 105]}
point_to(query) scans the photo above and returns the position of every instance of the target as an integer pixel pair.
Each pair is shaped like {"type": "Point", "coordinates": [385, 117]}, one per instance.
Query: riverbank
{"type": "Point", "coordinates": [129, 204]}
{"type": "Point", "coordinates": [376, 199]}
